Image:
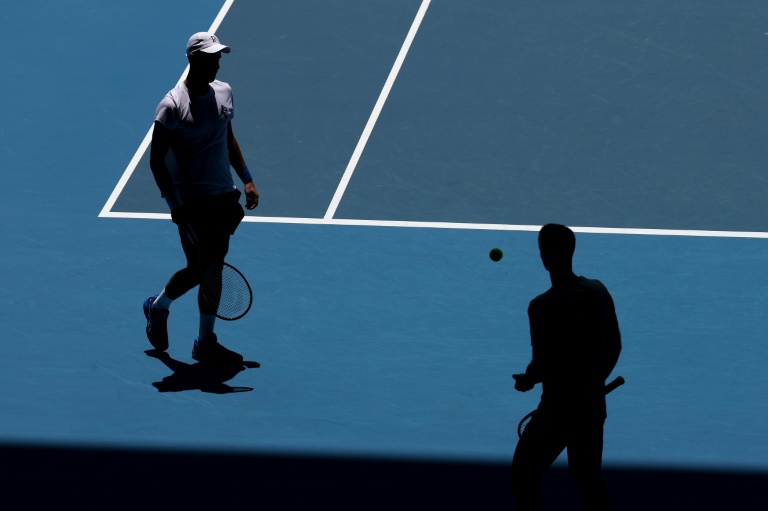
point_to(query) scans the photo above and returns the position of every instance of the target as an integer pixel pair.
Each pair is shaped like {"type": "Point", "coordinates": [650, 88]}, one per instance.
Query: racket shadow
{"type": "Point", "coordinates": [197, 376]}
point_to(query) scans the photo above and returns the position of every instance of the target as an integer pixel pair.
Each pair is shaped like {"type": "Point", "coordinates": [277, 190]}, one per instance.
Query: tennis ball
{"type": "Point", "coordinates": [496, 254]}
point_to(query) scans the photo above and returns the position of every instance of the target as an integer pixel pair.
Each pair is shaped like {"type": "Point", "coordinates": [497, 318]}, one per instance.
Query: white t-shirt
{"type": "Point", "coordinates": [198, 159]}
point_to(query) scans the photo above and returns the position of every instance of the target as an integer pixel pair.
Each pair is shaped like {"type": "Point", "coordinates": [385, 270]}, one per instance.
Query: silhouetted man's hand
{"type": "Point", "coordinates": [523, 382]}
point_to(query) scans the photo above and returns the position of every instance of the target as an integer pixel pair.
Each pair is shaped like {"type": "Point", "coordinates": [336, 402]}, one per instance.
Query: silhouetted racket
{"type": "Point", "coordinates": [226, 289]}
{"type": "Point", "coordinates": [617, 382]}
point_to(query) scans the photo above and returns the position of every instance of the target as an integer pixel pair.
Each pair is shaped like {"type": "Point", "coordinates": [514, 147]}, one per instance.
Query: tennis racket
{"type": "Point", "coordinates": [226, 290]}
{"type": "Point", "coordinates": [610, 387]}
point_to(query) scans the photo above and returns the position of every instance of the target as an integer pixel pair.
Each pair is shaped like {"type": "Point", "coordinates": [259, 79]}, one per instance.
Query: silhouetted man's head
{"type": "Point", "coordinates": [556, 246]}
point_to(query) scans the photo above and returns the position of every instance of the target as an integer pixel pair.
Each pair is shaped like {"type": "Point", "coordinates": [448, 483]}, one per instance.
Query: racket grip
{"type": "Point", "coordinates": [617, 382]}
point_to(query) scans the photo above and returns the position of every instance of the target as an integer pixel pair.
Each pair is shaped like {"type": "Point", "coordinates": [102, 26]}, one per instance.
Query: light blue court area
{"type": "Point", "coordinates": [398, 342]}
{"type": "Point", "coordinates": [393, 144]}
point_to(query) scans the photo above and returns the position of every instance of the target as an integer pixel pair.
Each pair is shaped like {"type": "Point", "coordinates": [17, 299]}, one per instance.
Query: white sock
{"type": "Point", "coordinates": [162, 301]}
{"type": "Point", "coordinates": [207, 322]}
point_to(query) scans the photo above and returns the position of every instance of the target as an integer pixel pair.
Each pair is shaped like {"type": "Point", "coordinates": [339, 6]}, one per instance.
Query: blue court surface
{"type": "Point", "coordinates": [393, 143]}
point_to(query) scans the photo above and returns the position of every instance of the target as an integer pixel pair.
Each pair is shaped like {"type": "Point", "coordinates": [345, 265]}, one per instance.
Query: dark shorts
{"type": "Point", "coordinates": [205, 225]}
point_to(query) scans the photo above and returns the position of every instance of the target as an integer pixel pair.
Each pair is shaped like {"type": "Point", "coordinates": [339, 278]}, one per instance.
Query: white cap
{"type": "Point", "coordinates": [205, 42]}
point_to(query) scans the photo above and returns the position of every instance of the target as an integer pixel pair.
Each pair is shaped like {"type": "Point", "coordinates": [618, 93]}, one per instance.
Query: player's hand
{"type": "Point", "coordinates": [523, 382]}
{"type": "Point", "coordinates": [251, 196]}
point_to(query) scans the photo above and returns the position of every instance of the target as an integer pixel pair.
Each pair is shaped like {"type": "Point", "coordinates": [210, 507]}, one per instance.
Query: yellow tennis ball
{"type": "Point", "coordinates": [496, 254]}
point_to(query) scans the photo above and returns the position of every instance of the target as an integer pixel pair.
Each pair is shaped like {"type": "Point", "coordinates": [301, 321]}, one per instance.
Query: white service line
{"type": "Point", "coordinates": [376, 111]}
{"type": "Point", "coordinates": [106, 211]}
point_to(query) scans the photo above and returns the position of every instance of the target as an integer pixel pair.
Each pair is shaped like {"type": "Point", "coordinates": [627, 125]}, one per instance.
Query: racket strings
{"type": "Point", "coordinates": [226, 291]}
{"type": "Point", "coordinates": [524, 423]}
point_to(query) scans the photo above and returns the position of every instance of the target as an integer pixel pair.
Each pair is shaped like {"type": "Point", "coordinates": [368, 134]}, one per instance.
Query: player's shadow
{"type": "Point", "coordinates": [198, 376]}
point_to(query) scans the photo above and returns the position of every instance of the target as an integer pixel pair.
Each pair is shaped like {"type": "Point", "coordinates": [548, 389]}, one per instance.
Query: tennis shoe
{"type": "Point", "coordinates": [211, 352]}
{"type": "Point", "coordinates": [157, 324]}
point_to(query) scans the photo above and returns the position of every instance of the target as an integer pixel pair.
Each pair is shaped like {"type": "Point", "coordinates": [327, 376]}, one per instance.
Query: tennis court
{"type": "Point", "coordinates": [393, 145]}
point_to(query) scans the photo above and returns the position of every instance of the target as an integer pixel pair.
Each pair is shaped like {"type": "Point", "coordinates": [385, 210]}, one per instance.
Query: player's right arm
{"type": "Point", "coordinates": [533, 373]}
{"type": "Point", "coordinates": [161, 143]}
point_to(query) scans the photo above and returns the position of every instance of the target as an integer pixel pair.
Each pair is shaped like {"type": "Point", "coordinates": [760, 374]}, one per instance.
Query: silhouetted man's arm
{"type": "Point", "coordinates": [611, 342]}
{"type": "Point", "coordinates": [533, 373]}
{"type": "Point", "coordinates": [161, 143]}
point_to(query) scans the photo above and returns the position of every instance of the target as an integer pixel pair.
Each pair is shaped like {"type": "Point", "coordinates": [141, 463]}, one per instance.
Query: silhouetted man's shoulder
{"type": "Point", "coordinates": [578, 290]}
{"type": "Point", "coordinates": [596, 289]}
{"type": "Point", "coordinates": [541, 300]}
{"type": "Point", "coordinates": [593, 285]}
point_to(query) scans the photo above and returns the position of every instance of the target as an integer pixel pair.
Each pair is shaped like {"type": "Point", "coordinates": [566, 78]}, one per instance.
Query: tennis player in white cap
{"type": "Point", "coordinates": [193, 148]}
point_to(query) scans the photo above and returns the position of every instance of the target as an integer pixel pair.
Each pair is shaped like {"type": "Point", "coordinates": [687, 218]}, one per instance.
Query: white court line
{"type": "Point", "coordinates": [220, 17]}
{"type": "Point", "coordinates": [376, 111]}
{"type": "Point", "coordinates": [106, 211]}
{"type": "Point", "coordinates": [459, 226]}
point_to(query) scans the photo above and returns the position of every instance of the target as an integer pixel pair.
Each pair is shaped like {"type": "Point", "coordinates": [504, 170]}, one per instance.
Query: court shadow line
{"type": "Point", "coordinates": [197, 376]}
{"type": "Point", "coordinates": [92, 476]}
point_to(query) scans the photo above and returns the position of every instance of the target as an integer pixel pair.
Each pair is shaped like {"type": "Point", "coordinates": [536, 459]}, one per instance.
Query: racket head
{"type": "Point", "coordinates": [524, 423]}
{"type": "Point", "coordinates": [226, 290]}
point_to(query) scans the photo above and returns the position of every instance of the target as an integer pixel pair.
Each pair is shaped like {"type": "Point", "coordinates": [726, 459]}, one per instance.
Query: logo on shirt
{"type": "Point", "coordinates": [224, 112]}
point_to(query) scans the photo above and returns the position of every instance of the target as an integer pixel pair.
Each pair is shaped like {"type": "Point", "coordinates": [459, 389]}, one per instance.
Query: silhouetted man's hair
{"type": "Point", "coordinates": [557, 243]}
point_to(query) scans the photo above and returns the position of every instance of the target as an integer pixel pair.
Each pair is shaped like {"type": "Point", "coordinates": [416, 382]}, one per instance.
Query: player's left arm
{"type": "Point", "coordinates": [611, 339]}
{"type": "Point", "coordinates": [238, 163]}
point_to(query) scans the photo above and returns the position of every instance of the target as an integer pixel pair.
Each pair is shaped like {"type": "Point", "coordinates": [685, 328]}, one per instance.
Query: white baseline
{"type": "Point", "coordinates": [460, 225]}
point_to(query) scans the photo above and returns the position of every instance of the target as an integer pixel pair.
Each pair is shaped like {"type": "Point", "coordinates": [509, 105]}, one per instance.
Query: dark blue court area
{"type": "Point", "coordinates": [393, 143]}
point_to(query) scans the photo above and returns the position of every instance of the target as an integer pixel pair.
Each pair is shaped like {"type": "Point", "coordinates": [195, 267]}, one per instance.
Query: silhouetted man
{"type": "Point", "coordinates": [576, 343]}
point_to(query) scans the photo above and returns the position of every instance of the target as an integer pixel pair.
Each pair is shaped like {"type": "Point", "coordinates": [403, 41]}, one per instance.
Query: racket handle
{"type": "Point", "coordinates": [617, 382]}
